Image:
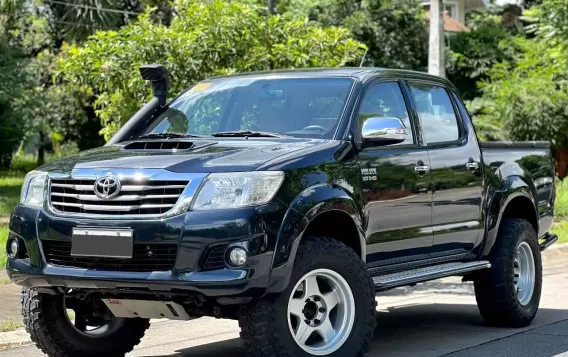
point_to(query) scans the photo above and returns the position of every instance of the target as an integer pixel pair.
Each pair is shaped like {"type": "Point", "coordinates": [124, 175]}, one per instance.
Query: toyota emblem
{"type": "Point", "coordinates": [107, 187]}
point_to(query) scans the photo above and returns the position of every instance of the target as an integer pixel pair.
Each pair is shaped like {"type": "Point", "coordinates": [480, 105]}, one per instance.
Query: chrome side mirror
{"type": "Point", "coordinates": [378, 131]}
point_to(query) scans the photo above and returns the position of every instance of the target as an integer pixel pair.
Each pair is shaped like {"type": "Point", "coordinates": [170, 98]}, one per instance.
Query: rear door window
{"type": "Point", "coordinates": [436, 112]}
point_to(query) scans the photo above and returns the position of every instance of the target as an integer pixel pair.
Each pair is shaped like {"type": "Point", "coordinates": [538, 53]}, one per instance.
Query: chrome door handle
{"type": "Point", "coordinates": [472, 165]}
{"type": "Point", "coordinates": [422, 169]}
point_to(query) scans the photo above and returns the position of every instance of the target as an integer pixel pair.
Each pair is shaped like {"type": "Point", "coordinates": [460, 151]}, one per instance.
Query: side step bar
{"type": "Point", "coordinates": [548, 240]}
{"type": "Point", "coordinates": [389, 281]}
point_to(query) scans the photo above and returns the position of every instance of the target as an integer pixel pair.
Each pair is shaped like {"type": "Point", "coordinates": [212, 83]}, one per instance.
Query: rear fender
{"type": "Point", "coordinates": [513, 187]}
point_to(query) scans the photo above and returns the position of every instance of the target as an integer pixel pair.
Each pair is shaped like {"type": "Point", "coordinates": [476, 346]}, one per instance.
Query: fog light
{"type": "Point", "coordinates": [238, 256]}
{"type": "Point", "coordinates": [13, 248]}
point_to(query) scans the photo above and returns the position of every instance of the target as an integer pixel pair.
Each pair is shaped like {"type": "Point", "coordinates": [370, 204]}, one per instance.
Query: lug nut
{"type": "Point", "coordinates": [322, 309]}
{"type": "Point", "coordinates": [317, 322]}
{"type": "Point", "coordinates": [308, 300]}
{"type": "Point", "coordinates": [316, 298]}
{"type": "Point", "coordinates": [307, 321]}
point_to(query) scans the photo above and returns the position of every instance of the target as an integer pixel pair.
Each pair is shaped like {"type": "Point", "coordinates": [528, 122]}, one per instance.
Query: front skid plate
{"type": "Point", "coordinates": [146, 309]}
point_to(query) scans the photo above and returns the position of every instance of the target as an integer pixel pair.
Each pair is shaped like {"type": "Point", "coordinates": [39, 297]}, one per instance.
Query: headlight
{"type": "Point", "coordinates": [238, 189]}
{"type": "Point", "coordinates": [33, 191]}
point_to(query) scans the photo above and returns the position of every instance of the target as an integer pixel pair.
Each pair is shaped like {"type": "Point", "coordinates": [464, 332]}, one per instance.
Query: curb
{"type": "Point", "coordinates": [14, 339]}
{"type": "Point", "coordinates": [20, 337]}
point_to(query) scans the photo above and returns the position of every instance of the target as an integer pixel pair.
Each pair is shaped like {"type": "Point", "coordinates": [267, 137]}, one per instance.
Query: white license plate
{"type": "Point", "coordinates": [102, 242]}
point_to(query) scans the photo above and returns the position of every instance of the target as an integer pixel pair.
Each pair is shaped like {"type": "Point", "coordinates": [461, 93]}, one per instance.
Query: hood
{"type": "Point", "coordinates": [206, 155]}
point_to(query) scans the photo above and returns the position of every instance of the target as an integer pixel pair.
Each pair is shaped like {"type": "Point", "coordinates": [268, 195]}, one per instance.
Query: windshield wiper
{"type": "Point", "coordinates": [248, 133]}
{"type": "Point", "coordinates": [168, 136]}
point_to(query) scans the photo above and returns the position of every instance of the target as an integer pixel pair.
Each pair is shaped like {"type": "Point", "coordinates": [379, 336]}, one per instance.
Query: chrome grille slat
{"type": "Point", "coordinates": [137, 197]}
{"type": "Point", "coordinates": [110, 208]}
{"type": "Point", "coordinates": [83, 197]}
{"type": "Point", "coordinates": [124, 188]}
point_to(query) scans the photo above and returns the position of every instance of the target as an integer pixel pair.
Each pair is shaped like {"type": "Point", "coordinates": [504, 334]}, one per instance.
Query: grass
{"type": "Point", "coordinates": [561, 206]}
{"type": "Point", "coordinates": [561, 230]}
{"type": "Point", "coordinates": [10, 187]}
{"type": "Point", "coordinates": [10, 325]}
{"type": "Point", "coordinates": [3, 238]}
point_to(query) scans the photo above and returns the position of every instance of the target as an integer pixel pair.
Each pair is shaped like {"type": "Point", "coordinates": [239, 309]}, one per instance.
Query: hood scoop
{"type": "Point", "coordinates": [165, 145]}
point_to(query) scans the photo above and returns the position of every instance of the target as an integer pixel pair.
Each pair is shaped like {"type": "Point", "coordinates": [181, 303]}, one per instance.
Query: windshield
{"type": "Point", "coordinates": [299, 107]}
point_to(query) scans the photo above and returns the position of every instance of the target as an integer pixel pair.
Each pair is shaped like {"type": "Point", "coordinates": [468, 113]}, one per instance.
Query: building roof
{"type": "Point", "coordinates": [451, 25]}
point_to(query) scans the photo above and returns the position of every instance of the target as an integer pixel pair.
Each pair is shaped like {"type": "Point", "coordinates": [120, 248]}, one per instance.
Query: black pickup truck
{"type": "Point", "coordinates": [285, 200]}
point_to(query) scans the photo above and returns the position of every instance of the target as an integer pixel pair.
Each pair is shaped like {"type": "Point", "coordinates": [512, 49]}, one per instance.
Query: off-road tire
{"type": "Point", "coordinates": [264, 324]}
{"type": "Point", "coordinates": [51, 332]}
{"type": "Point", "coordinates": [495, 288]}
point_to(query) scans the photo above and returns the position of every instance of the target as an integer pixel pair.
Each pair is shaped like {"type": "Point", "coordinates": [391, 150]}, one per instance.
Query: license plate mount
{"type": "Point", "coordinates": [102, 243]}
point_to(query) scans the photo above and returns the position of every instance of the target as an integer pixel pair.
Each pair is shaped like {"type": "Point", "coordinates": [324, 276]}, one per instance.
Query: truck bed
{"type": "Point", "coordinates": [529, 159]}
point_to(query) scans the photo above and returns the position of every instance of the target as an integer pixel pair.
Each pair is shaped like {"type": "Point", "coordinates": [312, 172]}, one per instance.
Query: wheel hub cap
{"type": "Point", "coordinates": [321, 312]}
{"type": "Point", "coordinates": [524, 273]}
{"type": "Point", "coordinates": [313, 310]}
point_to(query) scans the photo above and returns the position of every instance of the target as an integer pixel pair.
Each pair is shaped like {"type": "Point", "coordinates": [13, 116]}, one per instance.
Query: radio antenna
{"type": "Point", "coordinates": [363, 59]}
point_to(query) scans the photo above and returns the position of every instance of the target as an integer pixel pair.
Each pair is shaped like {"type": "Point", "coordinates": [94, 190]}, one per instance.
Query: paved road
{"type": "Point", "coordinates": [434, 319]}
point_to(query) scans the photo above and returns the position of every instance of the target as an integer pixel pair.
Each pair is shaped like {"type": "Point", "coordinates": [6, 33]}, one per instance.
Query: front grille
{"type": "Point", "coordinates": [135, 197]}
{"type": "Point", "coordinates": [216, 258]}
{"type": "Point", "coordinates": [146, 258]}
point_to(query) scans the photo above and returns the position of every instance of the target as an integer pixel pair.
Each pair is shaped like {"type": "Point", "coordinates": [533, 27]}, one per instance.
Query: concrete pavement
{"type": "Point", "coordinates": [9, 300]}
{"type": "Point", "coordinates": [438, 318]}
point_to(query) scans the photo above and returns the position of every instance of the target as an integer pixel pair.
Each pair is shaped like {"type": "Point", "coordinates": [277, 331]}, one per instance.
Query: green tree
{"type": "Point", "coordinates": [395, 31]}
{"type": "Point", "coordinates": [472, 54]}
{"type": "Point", "coordinates": [529, 96]}
{"type": "Point", "coordinates": [204, 39]}
{"type": "Point", "coordinates": [13, 81]}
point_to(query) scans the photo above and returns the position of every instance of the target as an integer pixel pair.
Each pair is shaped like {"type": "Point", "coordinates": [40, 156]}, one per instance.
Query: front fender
{"type": "Point", "coordinates": [512, 188]}
{"type": "Point", "coordinates": [304, 209]}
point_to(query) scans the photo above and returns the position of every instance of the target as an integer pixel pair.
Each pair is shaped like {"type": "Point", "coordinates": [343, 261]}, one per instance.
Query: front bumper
{"type": "Point", "coordinates": [194, 234]}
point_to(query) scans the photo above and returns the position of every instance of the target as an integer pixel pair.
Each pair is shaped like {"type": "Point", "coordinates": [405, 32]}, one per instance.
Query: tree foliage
{"type": "Point", "coordinates": [13, 81]}
{"type": "Point", "coordinates": [204, 39]}
{"type": "Point", "coordinates": [529, 96]}
{"type": "Point", "coordinates": [395, 31]}
{"type": "Point", "coordinates": [472, 54]}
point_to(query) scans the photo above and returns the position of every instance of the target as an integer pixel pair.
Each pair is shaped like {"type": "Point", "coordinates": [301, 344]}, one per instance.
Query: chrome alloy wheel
{"type": "Point", "coordinates": [321, 312]}
{"type": "Point", "coordinates": [524, 268]}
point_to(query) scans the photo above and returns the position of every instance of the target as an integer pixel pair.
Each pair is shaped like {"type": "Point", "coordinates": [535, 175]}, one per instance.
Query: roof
{"type": "Point", "coordinates": [451, 24]}
{"type": "Point", "coordinates": [361, 73]}
{"type": "Point", "coordinates": [309, 72]}
{"type": "Point", "coordinates": [473, 4]}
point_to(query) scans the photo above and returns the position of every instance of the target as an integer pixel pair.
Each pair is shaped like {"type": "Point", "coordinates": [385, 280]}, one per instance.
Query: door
{"type": "Point", "coordinates": [455, 169]}
{"type": "Point", "coordinates": [395, 185]}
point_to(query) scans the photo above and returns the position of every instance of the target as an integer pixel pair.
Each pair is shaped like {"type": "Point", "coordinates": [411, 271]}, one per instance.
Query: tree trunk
{"type": "Point", "coordinates": [561, 162]}
{"type": "Point", "coordinates": [41, 149]}
{"type": "Point", "coordinates": [436, 61]}
{"type": "Point", "coordinates": [272, 6]}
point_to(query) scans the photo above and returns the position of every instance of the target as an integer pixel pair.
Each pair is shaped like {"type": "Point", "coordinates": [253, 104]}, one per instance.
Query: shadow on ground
{"type": "Point", "coordinates": [424, 330]}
